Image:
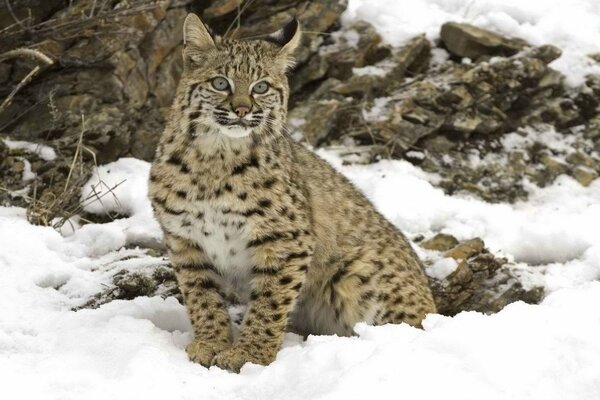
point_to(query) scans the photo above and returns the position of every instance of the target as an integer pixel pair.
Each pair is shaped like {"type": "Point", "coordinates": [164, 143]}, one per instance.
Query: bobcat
{"type": "Point", "coordinates": [251, 217]}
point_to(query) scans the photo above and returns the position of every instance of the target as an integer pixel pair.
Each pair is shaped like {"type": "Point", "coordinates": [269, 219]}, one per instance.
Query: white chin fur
{"type": "Point", "coordinates": [236, 133]}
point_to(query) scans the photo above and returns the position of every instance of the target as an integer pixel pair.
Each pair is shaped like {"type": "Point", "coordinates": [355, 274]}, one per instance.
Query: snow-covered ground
{"type": "Point", "coordinates": [135, 349]}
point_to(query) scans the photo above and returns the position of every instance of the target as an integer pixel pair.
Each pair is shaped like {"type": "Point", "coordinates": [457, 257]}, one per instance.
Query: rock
{"type": "Point", "coordinates": [465, 249]}
{"type": "Point", "coordinates": [552, 169]}
{"type": "Point", "coordinates": [4, 151]}
{"type": "Point", "coordinates": [133, 284]}
{"type": "Point", "coordinates": [481, 283]}
{"type": "Point", "coordinates": [581, 159]}
{"type": "Point", "coordinates": [464, 40]}
{"type": "Point", "coordinates": [355, 46]}
{"type": "Point", "coordinates": [412, 58]}
{"type": "Point", "coordinates": [220, 8]}
{"type": "Point", "coordinates": [316, 119]}
{"type": "Point", "coordinates": [440, 242]}
{"type": "Point", "coordinates": [585, 176]}
{"type": "Point", "coordinates": [5, 70]}
{"type": "Point", "coordinates": [128, 285]}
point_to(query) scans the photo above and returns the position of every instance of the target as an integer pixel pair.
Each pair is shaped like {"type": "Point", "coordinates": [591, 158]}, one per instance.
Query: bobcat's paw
{"type": "Point", "coordinates": [203, 352]}
{"type": "Point", "coordinates": [235, 357]}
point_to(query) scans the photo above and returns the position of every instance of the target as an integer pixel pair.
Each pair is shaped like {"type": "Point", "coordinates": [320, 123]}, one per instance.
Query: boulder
{"type": "Point", "coordinates": [440, 242]}
{"type": "Point", "coordinates": [465, 40]}
{"type": "Point", "coordinates": [480, 282]}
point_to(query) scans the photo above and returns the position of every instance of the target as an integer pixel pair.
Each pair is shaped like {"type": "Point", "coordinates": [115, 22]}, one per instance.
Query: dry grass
{"type": "Point", "coordinates": [57, 208]}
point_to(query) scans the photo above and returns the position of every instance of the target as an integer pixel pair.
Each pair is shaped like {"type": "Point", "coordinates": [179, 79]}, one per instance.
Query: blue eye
{"type": "Point", "coordinates": [261, 87]}
{"type": "Point", "coordinates": [220, 83]}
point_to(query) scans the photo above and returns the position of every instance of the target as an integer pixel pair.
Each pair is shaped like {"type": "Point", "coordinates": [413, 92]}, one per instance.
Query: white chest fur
{"type": "Point", "coordinates": [224, 237]}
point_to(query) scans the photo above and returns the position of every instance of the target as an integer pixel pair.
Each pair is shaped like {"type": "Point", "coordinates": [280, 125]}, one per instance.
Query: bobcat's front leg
{"type": "Point", "coordinates": [197, 280]}
{"type": "Point", "coordinates": [282, 262]}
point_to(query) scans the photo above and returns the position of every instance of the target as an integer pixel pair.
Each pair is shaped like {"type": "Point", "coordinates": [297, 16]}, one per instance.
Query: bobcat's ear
{"type": "Point", "coordinates": [288, 38]}
{"type": "Point", "coordinates": [196, 39]}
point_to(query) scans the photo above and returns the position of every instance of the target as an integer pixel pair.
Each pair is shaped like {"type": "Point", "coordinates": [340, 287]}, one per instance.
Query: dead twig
{"type": "Point", "coordinates": [23, 82]}
{"type": "Point", "coordinates": [23, 52]}
{"type": "Point", "coordinates": [14, 16]}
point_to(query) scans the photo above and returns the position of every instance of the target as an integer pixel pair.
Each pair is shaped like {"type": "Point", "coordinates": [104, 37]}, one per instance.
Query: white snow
{"type": "Point", "coordinates": [28, 174]}
{"type": "Point", "coordinates": [44, 152]}
{"type": "Point", "coordinates": [375, 113]}
{"type": "Point", "coordinates": [573, 26]}
{"type": "Point", "coordinates": [121, 187]}
{"type": "Point", "coordinates": [135, 348]}
{"type": "Point", "coordinates": [441, 268]}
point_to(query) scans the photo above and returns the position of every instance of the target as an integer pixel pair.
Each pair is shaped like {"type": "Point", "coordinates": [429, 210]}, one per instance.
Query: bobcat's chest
{"type": "Point", "coordinates": [223, 236]}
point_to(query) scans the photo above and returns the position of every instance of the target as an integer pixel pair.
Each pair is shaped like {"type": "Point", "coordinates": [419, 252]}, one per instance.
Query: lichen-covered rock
{"type": "Point", "coordinates": [127, 285]}
{"type": "Point", "coordinates": [464, 40]}
{"type": "Point", "coordinates": [466, 249]}
{"type": "Point", "coordinates": [440, 242]}
{"type": "Point", "coordinates": [480, 282]}
{"type": "Point", "coordinates": [130, 285]}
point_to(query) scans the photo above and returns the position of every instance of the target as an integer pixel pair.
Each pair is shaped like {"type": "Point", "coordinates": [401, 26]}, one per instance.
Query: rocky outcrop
{"type": "Point", "coordinates": [464, 40]}
{"type": "Point", "coordinates": [480, 281]}
{"type": "Point", "coordinates": [115, 68]}
{"type": "Point", "coordinates": [454, 118]}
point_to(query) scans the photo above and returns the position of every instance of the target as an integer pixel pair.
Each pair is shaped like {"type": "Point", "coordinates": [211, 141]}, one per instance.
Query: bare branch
{"type": "Point", "coordinates": [24, 52]}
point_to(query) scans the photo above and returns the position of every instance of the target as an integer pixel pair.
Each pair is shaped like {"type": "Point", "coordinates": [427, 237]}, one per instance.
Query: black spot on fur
{"type": "Point", "coordinates": [264, 270]}
{"type": "Point", "coordinates": [241, 168]}
{"type": "Point", "coordinates": [207, 284]}
{"type": "Point", "coordinates": [268, 183]}
{"type": "Point", "coordinates": [264, 203]}
{"type": "Point", "coordinates": [173, 212]}
{"type": "Point", "coordinates": [292, 256]}
{"type": "Point", "coordinates": [285, 280]}
{"type": "Point", "coordinates": [174, 159]}
{"type": "Point", "coordinates": [253, 211]}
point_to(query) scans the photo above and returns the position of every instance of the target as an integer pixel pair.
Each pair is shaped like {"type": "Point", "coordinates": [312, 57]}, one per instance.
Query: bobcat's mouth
{"type": "Point", "coordinates": [242, 123]}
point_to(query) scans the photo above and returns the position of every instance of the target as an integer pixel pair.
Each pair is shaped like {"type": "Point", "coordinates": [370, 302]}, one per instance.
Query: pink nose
{"type": "Point", "coordinates": [241, 111]}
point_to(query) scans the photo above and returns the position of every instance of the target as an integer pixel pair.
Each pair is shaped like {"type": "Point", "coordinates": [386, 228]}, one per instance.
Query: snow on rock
{"type": "Point", "coordinates": [572, 26]}
{"type": "Point", "coordinates": [441, 268]}
{"type": "Point", "coordinates": [120, 187]}
{"type": "Point", "coordinates": [44, 152]}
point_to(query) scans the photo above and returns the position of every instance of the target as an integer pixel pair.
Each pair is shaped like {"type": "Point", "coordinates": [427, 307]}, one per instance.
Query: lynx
{"type": "Point", "coordinates": [251, 217]}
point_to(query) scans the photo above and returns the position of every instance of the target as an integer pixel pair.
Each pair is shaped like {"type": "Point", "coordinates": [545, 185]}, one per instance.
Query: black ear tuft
{"type": "Point", "coordinates": [285, 34]}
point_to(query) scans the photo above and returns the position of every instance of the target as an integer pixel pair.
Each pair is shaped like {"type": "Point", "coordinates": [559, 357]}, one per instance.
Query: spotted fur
{"type": "Point", "coordinates": [251, 217]}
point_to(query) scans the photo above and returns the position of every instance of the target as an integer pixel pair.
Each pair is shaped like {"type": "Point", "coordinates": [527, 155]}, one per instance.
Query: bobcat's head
{"type": "Point", "coordinates": [235, 88]}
